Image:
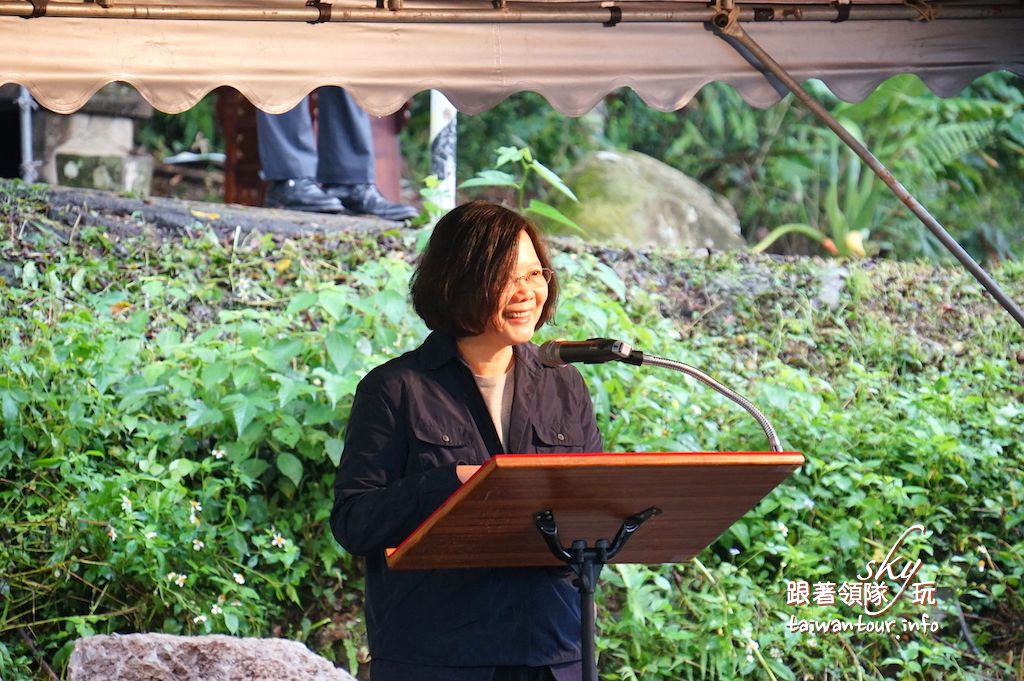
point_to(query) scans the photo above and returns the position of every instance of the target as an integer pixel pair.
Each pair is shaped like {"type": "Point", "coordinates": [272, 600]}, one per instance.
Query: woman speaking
{"type": "Point", "coordinates": [420, 426]}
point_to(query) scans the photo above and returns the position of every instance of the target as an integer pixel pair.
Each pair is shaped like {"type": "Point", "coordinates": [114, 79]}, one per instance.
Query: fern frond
{"type": "Point", "coordinates": [950, 142]}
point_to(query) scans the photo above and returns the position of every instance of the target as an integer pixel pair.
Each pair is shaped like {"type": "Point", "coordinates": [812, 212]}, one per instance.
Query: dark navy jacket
{"type": "Point", "coordinates": [413, 420]}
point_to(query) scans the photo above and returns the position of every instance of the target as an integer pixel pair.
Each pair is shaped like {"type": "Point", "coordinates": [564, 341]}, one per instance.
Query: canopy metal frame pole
{"type": "Point", "coordinates": [608, 14]}
{"type": "Point", "coordinates": [726, 25]}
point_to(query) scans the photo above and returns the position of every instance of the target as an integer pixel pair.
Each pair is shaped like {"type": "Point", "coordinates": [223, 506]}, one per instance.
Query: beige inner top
{"type": "Point", "coordinates": [498, 392]}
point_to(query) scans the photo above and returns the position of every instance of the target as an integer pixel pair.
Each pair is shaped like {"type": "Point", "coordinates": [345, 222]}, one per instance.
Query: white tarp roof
{"type": "Point", "coordinates": [173, 63]}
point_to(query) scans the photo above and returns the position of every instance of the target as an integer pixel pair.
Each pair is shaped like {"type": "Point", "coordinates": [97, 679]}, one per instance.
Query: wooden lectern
{"type": "Point", "coordinates": [514, 510]}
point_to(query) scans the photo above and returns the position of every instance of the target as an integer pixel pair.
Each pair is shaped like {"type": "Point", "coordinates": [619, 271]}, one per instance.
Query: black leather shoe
{"type": "Point", "coordinates": [365, 199]}
{"type": "Point", "coordinates": [302, 193]}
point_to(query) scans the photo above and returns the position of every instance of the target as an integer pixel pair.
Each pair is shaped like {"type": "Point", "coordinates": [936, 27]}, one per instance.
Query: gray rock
{"type": "Point", "coordinates": [130, 172]}
{"type": "Point", "coordinates": [831, 282]}
{"type": "Point", "coordinates": [160, 657]}
{"type": "Point", "coordinates": [630, 199]}
{"type": "Point", "coordinates": [95, 146]}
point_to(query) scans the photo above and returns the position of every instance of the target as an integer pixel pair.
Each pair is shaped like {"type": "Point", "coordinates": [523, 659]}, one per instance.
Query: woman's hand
{"type": "Point", "coordinates": [465, 472]}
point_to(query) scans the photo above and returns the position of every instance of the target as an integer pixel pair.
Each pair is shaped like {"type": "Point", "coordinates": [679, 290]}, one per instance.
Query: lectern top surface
{"type": "Point", "coordinates": [488, 521]}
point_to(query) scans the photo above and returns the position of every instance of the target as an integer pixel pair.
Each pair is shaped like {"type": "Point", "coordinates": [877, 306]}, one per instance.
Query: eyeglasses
{"type": "Point", "coordinates": [535, 279]}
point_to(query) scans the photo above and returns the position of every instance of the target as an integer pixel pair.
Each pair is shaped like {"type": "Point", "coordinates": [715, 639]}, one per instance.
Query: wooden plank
{"type": "Point", "coordinates": [488, 522]}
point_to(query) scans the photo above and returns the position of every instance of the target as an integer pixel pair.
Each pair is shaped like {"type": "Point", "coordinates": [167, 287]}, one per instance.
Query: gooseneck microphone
{"type": "Point", "coordinates": [558, 353]}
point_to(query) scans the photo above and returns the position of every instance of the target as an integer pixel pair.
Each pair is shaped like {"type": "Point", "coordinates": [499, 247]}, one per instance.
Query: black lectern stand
{"type": "Point", "coordinates": [514, 510]}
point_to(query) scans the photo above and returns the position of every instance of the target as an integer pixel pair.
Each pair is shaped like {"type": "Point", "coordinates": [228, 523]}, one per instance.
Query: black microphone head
{"type": "Point", "coordinates": [549, 355]}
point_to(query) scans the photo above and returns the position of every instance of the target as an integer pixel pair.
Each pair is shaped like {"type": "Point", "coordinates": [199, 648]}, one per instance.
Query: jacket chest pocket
{"type": "Point", "coordinates": [557, 437]}
{"type": "Point", "coordinates": [439, 443]}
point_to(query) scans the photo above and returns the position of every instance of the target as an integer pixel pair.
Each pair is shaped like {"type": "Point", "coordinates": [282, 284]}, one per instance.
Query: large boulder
{"type": "Point", "coordinates": [161, 657]}
{"type": "Point", "coordinates": [630, 199]}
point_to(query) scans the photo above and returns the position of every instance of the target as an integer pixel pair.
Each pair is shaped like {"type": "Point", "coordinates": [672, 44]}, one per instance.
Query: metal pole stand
{"type": "Point", "coordinates": [587, 563]}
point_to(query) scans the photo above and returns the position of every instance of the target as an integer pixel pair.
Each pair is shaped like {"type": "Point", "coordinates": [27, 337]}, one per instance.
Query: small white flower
{"type": "Point", "coordinates": [753, 645]}
{"type": "Point", "coordinates": [218, 453]}
{"type": "Point", "coordinates": [216, 609]}
{"type": "Point", "coordinates": [734, 551]}
{"type": "Point", "coordinates": [126, 504]}
{"type": "Point", "coordinates": [782, 529]}
{"type": "Point", "coordinates": [150, 535]}
{"type": "Point", "coordinates": [178, 579]}
{"type": "Point", "coordinates": [750, 658]}
{"type": "Point", "coordinates": [199, 619]}
{"type": "Point", "coordinates": [775, 653]}
{"type": "Point", "coordinates": [278, 541]}
{"type": "Point", "coordinates": [196, 506]}
{"type": "Point", "coordinates": [193, 518]}
{"type": "Point", "coordinates": [239, 579]}
{"type": "Point", "coordinates": [808, 503]}
{"type": "Point", "coordinates": [317, 381]}
{"type": "Point", "coordinates": [112, 533]}
{"type": "Point", "coordinates": [197, 545]}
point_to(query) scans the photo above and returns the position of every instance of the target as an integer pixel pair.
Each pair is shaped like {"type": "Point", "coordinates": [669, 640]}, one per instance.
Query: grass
{"type": "Point", "coordinates": [129, 360]}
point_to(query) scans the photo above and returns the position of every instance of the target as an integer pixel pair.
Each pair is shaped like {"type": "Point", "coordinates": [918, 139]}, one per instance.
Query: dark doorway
{"type": "Point", "coordinates": [10, 140]}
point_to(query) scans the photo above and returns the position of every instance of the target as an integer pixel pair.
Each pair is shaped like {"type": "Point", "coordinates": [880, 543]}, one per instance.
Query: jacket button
{"type": "Point", "coordinates": [560, 437]}
{"type": "Point", "coordinates": [445, 438]}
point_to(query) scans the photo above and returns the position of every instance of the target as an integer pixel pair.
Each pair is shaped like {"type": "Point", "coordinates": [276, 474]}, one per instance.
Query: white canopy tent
{"type": "Point", "coordinates": [478, 53]}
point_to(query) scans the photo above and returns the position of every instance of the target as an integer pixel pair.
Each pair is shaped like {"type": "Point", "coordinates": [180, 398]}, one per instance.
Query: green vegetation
{"type": "Point", "coordinates": [172, 412]}
{"type": "Point", "coordinates": [962, 156]}
{"type": "Point", "coordinates": [520, 179]}
{"type": "Point", "coordinates": [795, 186]}
{"type": "Point", "coordinates": [195, 129]}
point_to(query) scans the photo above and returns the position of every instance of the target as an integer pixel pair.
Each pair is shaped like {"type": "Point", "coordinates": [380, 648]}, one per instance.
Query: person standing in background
{"type": "Point", "coordinates": [332, 174]}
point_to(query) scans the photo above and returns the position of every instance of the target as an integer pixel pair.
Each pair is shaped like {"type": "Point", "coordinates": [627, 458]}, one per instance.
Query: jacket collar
{"type": "Point", "coordinates": [526, 357]}
{"type": "Point", "coordinates": [439, 348]}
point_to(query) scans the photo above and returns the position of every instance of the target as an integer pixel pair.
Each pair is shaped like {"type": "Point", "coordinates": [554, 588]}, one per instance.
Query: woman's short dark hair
{"type": "Point", "coordinates": [463, 273]}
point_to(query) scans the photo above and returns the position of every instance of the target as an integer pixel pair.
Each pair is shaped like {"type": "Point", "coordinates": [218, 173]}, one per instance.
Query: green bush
{"type": "Point", "coordinates": [172, 413]}
{"type": "Point", "coordinates": [196, 129]}
{"type": "Point", "coordinates": [961, 156]}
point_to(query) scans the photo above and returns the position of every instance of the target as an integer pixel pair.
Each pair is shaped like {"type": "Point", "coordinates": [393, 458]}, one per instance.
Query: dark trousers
{"type": "Point", "coordinates": [342, 152]}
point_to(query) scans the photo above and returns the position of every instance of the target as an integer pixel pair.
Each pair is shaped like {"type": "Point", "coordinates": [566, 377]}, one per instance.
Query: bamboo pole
{"type": "Point", "coordinates": [677, 12]}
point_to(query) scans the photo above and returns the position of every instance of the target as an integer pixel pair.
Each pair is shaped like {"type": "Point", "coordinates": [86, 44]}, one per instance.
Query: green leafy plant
{"type": "Point", "coordinates": [778, 166]}
{"type": "Point", "coordinates": [961, 156]}
{"type": "Point", "coordinates": [843, 218]}
{"type": "Point", "coordinates": [525, 119]}
{"type": "Point", "coordinates": [193, 130]}
{"type": "Point", "coordinates": [518, 182]}
{"type": "Point", "coordinates": [172, 410]}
